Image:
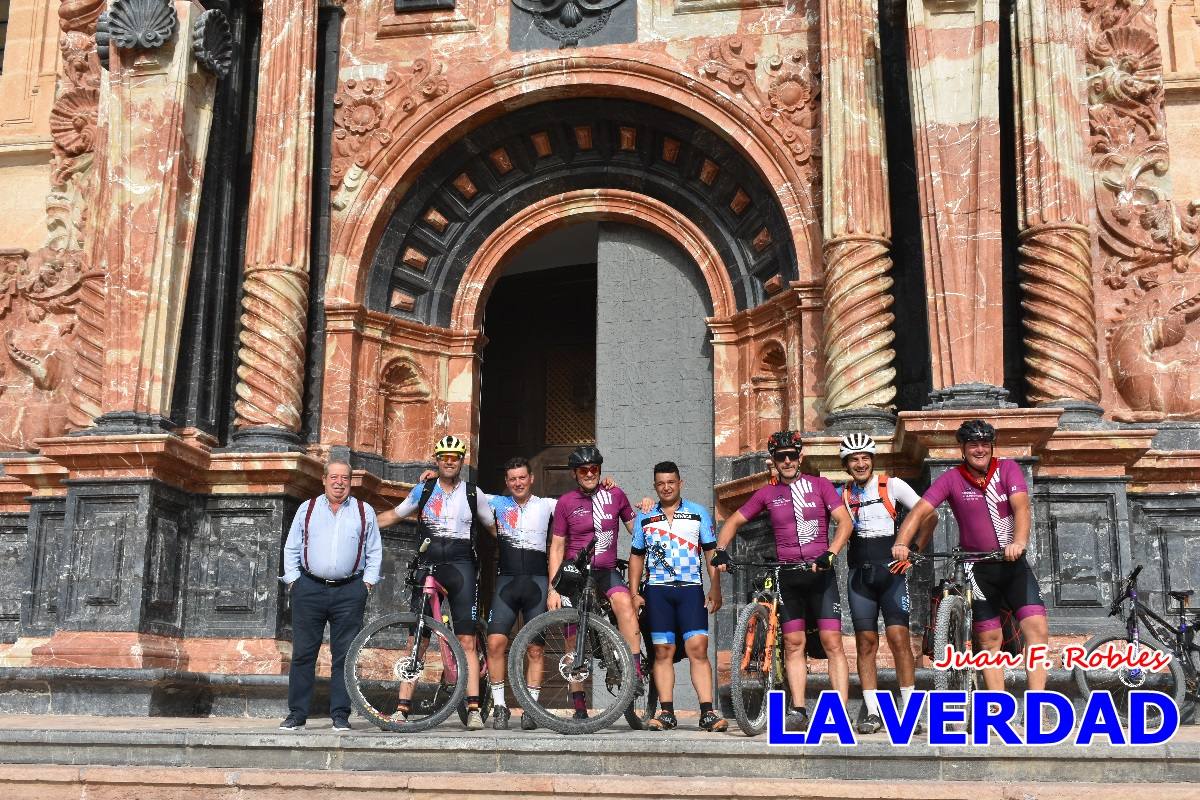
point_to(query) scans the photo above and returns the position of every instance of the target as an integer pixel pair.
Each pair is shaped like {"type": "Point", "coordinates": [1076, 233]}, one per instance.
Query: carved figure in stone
{"type": "Point", "coordinates": [367, 111]}
{"type": "Point", "coordinates": [38, 298]}
{"type": "Point", "coordinates": [561, 20]}
{"type": "Point", "coordinates": [141, 24]}
{"type": "Point", "coordinates": [1149, 249]}
{"type": "Point", "coordinates": [792, 102]}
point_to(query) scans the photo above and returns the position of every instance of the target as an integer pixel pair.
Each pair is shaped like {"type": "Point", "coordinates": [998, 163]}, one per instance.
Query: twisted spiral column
{"type": "Point", "coordinates": [271, 369]}
{"type": "Point", "coordinates": [1062, 358]}
{"type": "Point", "coordinates": [275, 287]}
{"type": "Point", "coordinates": [858, 324]}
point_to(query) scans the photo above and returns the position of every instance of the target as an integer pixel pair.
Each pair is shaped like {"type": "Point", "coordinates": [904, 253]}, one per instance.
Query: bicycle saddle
{"type": "Point", "coordinates": [1182, 595]}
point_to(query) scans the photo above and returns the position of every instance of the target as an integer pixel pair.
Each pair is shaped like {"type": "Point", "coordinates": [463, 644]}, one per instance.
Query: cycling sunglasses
{"type": "Point", "coordinates": [786, 455]}
{"type": "Point", "coordinates": [448, 458]}
{"type": "Point", "coordinates": [588, 470]}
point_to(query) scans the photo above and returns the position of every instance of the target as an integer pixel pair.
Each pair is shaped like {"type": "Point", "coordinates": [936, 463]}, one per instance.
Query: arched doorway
{"type": "Point", "coordinates": [597, 333]}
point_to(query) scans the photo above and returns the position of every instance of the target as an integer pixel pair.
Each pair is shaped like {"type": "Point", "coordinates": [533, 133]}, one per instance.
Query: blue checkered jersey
{"type": "Point", "coordinates": [674, 547]}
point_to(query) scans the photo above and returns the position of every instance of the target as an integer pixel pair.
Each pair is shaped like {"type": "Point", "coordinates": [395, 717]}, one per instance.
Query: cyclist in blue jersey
{"type": "Point", "coordinates": [676, 539]}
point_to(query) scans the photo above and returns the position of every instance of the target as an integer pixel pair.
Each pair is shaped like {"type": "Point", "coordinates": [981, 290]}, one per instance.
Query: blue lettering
{"type": "Point", "coordinates": [775, 716]}
{"type": "Point", "coordinates": [830, 719]}
{"type": "Point", "coordinates": [1100, 718]}
{"type": "Point", "coordinates": [944, 708]}
{"type": "Point", "coordinates": [1168, 714]}
{"type": "Point", "coordinates": [1035, 701]}
{"type": "Point", "coordinates": [900, 727]}
{"type": "Point", "coordinates": [993, 711]}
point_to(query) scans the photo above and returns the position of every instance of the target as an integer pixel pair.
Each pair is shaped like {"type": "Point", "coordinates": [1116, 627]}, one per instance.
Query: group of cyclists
{"type": "Point", "coordinates": [673, 544]}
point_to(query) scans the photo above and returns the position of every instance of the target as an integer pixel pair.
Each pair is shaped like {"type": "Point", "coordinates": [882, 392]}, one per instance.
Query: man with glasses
{"type": "Point", "coordinates": [447, 510]}
{"type": "Point", "coordinates": [800, 508]}
{"type": "Point", "coordinates": [990, 501]}
{"type": "Point", "coordinates": [331, 559]}
{"type": "Point", "coordinates": [591, 511]}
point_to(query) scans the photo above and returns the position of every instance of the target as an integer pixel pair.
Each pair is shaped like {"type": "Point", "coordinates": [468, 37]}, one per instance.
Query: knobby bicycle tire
{"type": "Point", "coordinates": [952, 627]}
{"type": "Point", "coordinates": [359, 650]}
{"type": "Point", "coordinates": [1170, 682]}
{"type": "Point", "coordinates": [615, 657]}
{"type": "Point", "coordinates": [485, 688]}
{"type": "Point", "coordinates": [750, 684]}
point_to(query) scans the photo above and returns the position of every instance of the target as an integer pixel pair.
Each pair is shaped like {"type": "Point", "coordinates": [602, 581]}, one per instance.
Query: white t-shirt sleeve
{"type": "Point", "coordinates": [903, 494]}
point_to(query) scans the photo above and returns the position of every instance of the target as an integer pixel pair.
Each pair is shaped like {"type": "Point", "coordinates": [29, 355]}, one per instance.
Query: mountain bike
{"type": "Point", "coordinates": [1146, 630]}
{"type": "Point", "coordinates": [757, 647]}
{"type": "Point", "coordinates": [583, 650]}
{"type": "Point", "coordinates": [414, 654]}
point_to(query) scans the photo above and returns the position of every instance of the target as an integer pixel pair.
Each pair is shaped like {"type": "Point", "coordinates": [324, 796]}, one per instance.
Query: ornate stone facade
{"type": "Point", "coordinates": [407, 157]}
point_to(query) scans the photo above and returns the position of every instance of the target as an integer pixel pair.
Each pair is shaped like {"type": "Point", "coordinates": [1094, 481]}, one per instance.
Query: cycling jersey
{"type": "Point", "coordinates": [581, 517]}
{"type": "Point", "coordinates": [446, 520]}
{"type": "Point", "coordinates": [874, 527]}
{"type": "Point", "coordinates": [983, 513]}
{"type": "Point", "coordinates": [673, 548]}
{"type": "Point", "coordinates": [521, 530]}
{"type": "Point", "coordinates": [799, 514]}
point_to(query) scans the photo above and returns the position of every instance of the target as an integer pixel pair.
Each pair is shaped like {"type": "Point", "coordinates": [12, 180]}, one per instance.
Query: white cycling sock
{"type": "Point", "coordinates": [872, 703]}
{"type": "Point", "coordinates": [535, 691]}
{"type": "Point", "coordinates": [906, 695]}
{"type": "Point", "coordinates": [498, 693]}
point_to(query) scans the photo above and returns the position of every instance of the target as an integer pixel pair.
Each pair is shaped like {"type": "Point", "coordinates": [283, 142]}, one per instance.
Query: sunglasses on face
{"type": "Point", "coordinates": [589, 470]}
{"type": "Point", "coordinates": [789, 455]}
{"type": "Point", "coordinates": [449, 458]}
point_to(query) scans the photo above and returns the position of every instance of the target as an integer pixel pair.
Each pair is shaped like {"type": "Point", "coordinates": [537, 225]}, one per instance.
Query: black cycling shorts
{"type": "Point", "coordinates": [809, 595]}
{"type": "Point", "coordinates": [1005, 586]}
{"type": "Point", "coordinates": [459, 579]}
{"type": "Point", "coordinates": [609, 582]}
{"type": "Point", "coordinates": [873, 588]}
{"type": "Point", "coordinates": [516, 594]}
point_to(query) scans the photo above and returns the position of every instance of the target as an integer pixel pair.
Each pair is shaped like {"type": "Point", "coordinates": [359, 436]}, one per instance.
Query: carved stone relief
{"type": "Point", "coordinates": [1149, 250]}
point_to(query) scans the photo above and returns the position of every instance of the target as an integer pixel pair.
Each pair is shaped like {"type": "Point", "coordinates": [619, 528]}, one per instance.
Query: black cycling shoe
{"type": "Point", "coordinates": [871, 724]}
{"type": "Point", "coordinates": [527, 723]}
{"type": "Point", "coordinates": [796, 720]}
{"type": "Point", "coordinates": [713, 722]}
{"type": "Point", "coordinates": [665, 721]}
{"type": "Point", "coordinates": [500, 715]}
{"type": "Point", "coordinates": [580, 713]}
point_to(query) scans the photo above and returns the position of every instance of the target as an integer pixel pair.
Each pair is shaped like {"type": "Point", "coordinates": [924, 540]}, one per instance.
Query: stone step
{"type": "Point", "coordinates": [226, 744]}
{"type": "Point", "coordinates": [88, 783]}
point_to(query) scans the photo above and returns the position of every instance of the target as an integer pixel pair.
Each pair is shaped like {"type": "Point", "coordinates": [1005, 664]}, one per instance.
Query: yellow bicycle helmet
{"type": "Point", "coordinates": [449, 444]}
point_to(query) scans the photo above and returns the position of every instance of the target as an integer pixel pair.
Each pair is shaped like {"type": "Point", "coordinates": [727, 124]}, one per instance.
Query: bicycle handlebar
{"type": "Point", "coordinates": [772, 564]}
{"type": "Point", "coordinates": [964, 555]}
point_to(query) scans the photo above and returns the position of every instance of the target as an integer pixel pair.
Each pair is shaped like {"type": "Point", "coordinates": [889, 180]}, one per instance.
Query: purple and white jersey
{"type": "Point", "coordinates": [984, 516]}
{"type": "Point", "coordinates": [581, 517]}
{"type": "Point", "coordinates": [799, 514]}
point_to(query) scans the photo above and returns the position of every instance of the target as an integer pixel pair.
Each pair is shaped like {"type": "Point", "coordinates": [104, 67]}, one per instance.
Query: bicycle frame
{"type": "Point", "coordinates": [769, 597]}
{"type": "Point", "coordinates": [432, 593]}
{"type": "Point", "coordinates": [1174, 638]}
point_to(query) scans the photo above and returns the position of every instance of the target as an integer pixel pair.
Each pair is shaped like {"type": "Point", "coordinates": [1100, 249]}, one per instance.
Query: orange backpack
{"type": "Point", "coordinates": [883, 498]}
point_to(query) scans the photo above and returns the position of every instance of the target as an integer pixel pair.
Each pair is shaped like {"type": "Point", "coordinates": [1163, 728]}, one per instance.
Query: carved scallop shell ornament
{"type": "Point", "coordinates": [212, 42]}
{"type": "Point", "coordinates": [141, 24]}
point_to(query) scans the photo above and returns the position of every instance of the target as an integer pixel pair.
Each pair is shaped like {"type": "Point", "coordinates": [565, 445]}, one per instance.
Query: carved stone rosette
{"type": "Point", "coordinates": [857, 316]}
{"type": "Point", "coordinates": [1062, 358]}
{"type": "Point", "coordinates": [1148, 250]}
{"type": "Point", "coordinates": [367, 111]}
{"type": "Point", "coordinates": [275, 291]}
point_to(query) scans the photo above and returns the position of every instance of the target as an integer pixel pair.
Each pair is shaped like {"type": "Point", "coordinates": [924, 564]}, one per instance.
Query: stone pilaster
{"type": "Point", "coordinates": [1055, 251]}
{"type": "Point", "coordinates": [857, 316]}
{"type": "Point", "coordinates": [159, 111]}
{"type": "Point", "coordinates": [275, 288]}
{"type": "Point", "coordinates": [953, 82]}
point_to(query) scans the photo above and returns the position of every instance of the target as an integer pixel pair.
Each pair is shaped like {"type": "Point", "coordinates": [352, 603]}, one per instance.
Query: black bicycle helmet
{"type": "Point", "coordinates": [784, 440]}
{"type": "Point", "coordinates": [975, 430]}
{"type": "Point", "coordinates": [584, 454]}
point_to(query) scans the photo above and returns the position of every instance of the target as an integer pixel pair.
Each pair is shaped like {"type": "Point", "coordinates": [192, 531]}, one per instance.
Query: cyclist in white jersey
{"type": "Point", "coordinates": [873, 589]}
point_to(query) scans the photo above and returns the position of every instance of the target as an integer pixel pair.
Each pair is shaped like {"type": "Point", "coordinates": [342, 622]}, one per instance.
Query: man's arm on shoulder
{"type": "Point", "coordinates": [407, 508]}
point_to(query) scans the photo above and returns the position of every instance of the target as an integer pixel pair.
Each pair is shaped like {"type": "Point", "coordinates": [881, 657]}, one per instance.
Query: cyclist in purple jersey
{"type": "Point", "coordinates": [800, 507]}
{"type": "Point", "coordinates": [990, 501]}
{"type": "Point", "coordinates": [591, 511]}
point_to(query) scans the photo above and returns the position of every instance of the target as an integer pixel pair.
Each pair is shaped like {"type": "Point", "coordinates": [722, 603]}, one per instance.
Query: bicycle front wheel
{"type": "Point", "coordinates": [754, 673]}
{"type": "Point", "coordinates": [606, 675]}
{"type": "Point", "coordinates": [952, 628]}
{"type": "Point", "coordinates": [1120, 681]}
{"type": "Point", "coordinates": [404, 655]}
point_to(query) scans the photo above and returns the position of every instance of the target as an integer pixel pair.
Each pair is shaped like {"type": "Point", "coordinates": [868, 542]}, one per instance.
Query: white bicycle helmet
{"type": "Point", "coordinates": [856, 443]}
